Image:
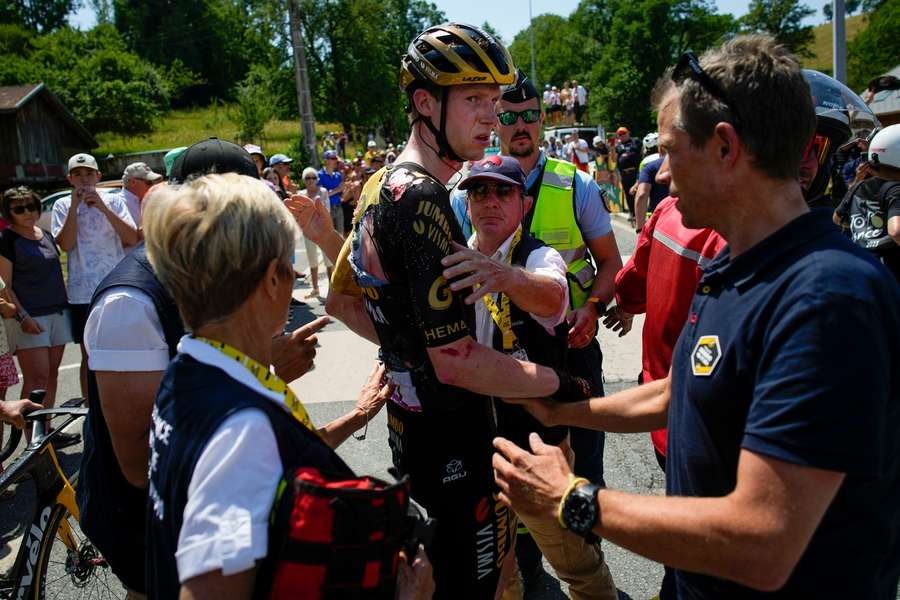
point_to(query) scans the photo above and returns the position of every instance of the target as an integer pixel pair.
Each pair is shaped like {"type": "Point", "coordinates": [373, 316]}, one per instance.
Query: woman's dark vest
{"type": "Point", "coordinates": [112, 510]}
{"type": "Point", "coordinates": [513, 421]}
{"type": "Point", "coordinates": [194, 399]}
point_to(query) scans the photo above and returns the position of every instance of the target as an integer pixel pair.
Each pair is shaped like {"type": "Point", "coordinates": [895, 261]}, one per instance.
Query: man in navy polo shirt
{"type": "Point", "coordinates": [783, 402]}
{"type": "Point", "coordinates": [332, 180]}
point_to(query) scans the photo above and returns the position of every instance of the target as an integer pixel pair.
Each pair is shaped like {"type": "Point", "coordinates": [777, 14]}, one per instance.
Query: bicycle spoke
{"type": "Point", "coordinates": [57, 593]}
{"type": "Point", "coordinates": [63, 576]}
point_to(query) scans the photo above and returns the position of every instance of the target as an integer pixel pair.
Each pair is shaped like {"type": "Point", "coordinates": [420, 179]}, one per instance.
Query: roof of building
{"type": "Point", "coordinates": [14, 97]}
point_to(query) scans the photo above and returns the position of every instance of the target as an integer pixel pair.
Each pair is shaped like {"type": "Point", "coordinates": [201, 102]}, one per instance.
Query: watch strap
{"type": "Point", "coordinates": [587, 490]}
{"type": "Point", "coordinates": [574, 482]}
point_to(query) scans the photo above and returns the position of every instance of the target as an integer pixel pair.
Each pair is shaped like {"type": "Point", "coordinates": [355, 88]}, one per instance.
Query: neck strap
{"type": "Point", "coordinates": [267, 379]}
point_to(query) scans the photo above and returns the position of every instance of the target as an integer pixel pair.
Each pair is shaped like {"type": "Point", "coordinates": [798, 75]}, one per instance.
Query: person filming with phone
{"type": "Point", "coordinates": [93, 230]}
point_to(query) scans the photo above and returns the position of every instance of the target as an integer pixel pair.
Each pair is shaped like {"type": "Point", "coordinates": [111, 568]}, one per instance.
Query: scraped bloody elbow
{"type": "Point", "coordinates": [450, 362]}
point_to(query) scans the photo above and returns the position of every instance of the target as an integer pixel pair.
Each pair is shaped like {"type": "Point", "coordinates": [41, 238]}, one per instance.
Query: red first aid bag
{"type": "Point", "coordinates": [335, 539]}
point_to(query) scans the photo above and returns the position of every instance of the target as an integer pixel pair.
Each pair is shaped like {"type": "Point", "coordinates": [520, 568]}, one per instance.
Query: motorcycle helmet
{"type": "Point", "coordinates": [841, 115]}
{"type": "Point", "coordinates": [884, 148]}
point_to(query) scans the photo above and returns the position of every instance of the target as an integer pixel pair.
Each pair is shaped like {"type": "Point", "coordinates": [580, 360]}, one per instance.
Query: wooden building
{"type": "Point", "coordinates": [37, 136]}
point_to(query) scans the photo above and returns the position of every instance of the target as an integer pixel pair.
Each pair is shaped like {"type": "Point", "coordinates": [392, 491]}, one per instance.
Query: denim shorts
{"type": "Point", "coordinates": [57, 332]}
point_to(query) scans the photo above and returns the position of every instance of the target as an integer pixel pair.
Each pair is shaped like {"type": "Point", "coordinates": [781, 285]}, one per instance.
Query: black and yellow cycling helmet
{"type": "Point", "coordinates": [456, 54]}
{"type": "Point", "coordinates": [453, 54]}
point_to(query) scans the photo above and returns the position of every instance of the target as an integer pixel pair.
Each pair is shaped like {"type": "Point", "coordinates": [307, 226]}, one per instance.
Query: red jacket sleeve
{"type": "Point", "coordinates": [631, 280]}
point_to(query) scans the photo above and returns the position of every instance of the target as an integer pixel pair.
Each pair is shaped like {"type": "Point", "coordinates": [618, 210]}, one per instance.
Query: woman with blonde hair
{"type": "Point", "coordinates": [225, 427]}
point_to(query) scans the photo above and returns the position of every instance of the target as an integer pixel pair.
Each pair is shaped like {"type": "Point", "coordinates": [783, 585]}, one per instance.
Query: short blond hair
{"type": "Point", "coordinates": [211, 240]}
{"type": "Point", "coordinates": [310, 172]}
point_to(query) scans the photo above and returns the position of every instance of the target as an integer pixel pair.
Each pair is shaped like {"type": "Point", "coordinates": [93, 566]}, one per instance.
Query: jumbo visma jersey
{"type": "Point", "coordinates": [403, 228]}
{"type": "Point", "coordinates": [440, 435]}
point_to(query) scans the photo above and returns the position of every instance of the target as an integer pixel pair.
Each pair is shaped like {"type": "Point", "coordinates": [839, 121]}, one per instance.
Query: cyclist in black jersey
{"type": "Point", "coordinates": [388, 286]}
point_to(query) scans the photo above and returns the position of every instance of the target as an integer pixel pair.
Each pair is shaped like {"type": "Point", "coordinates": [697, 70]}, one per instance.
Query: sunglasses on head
{"type": "Point", "coordinates": [480, 192]}
{"type": "Point", "coordinates": [819, 145]}
{"type": "Point", "coordinates": [510, 117]}
{"type": "Point", "coordinates": [23, 208]}
{"type": "Point", "coordinates": [688, 67]}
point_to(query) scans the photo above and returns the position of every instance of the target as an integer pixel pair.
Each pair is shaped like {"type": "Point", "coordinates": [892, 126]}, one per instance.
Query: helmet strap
{"type": "Point", "coordinates": [445, 150]}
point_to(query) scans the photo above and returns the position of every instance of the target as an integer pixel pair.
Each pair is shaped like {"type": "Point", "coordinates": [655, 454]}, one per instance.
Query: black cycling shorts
{"type": "Point", "coordinates": [448, 458]}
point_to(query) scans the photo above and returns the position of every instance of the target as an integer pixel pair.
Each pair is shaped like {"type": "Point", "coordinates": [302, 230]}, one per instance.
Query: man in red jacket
{"type": "Point", "coordinates": [660, 279]}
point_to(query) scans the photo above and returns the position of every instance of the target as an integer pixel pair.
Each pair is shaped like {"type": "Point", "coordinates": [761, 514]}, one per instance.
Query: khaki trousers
{"type": "Point", "coordinates": [580, 564]}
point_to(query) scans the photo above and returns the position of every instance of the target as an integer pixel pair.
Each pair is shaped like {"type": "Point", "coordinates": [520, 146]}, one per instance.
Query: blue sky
{"type": "Point", "coordinates": [509, 17]}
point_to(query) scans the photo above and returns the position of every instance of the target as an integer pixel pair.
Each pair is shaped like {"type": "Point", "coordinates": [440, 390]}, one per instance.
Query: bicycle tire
{"type": "Point", "coordinates": [65, 573]}
{"type": "Point", "coordinates": [10, 440]}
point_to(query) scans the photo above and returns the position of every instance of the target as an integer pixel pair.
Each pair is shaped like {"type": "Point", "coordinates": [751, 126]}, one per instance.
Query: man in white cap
{"type": "Point", "coordinates": [137, 180]}
{"type": "Point", "coordinates": [371, 152]}
{"type": "Point", "coordinates": [94, 231]}
{"type": "Point", "coordinates": [282, 165]}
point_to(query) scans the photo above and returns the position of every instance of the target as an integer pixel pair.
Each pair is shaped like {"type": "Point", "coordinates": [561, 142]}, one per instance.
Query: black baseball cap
{"type": "Point", "coordinates": [502, 169]}
{"type": "Point", "coordinates": [521, 90]}
{"type": "Point", "coordinates": [213, 156]}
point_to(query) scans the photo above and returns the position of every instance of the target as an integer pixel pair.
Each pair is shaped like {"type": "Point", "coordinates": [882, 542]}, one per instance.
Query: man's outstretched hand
{"type": "Point", "coordinates": [312, 216]}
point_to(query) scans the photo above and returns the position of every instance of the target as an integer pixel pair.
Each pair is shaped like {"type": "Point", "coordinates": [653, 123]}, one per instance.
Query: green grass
{"type": "Point", "coordinates": [184, 127]}
{"type": "Point", "coordinates": [822, 46]}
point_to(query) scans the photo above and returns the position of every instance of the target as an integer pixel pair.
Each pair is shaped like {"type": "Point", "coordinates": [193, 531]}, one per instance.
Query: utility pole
{"type": "Point", "coordinates": [301, 75]}
{"type": "Point", "coordinates": [531, 31]}
{"type": "Point", "coordinates": [839, 44]}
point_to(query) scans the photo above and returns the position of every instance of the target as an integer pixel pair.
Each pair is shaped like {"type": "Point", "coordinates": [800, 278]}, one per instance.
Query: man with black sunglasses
{"type": "Point", "coordinates": [782, 403]}
{"type": "Point", "coordinates": [570, 215]}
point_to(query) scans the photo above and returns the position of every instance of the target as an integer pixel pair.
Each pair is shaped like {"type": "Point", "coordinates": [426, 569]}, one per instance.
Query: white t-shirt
{"type": "Point", "coordinates": [581, 95]}
{"type": "Point", "coordinates": [98, 247]}
{"type": "Point", "coordinates": [547, 94]}
{"type": "Point", "coordinates": [123, 333]}
{"type": "Point", "coordinates": [232, 489]}
{"type": "Point", "coordinates": [134, 206]}
{"type": "Point", "coordinates": [542, 261]}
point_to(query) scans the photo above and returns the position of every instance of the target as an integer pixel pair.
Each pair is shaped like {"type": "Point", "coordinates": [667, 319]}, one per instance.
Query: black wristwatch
{"type": "Point", "coordinates": [580, 511]}
{"type": "Point", "coordinates": [20, 316]}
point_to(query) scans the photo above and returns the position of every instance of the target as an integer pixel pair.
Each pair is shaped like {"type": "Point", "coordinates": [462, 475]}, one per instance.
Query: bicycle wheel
{"type": "Point", "coordinates": [70, 566]}
{"type": "Point", "coordinates": [8, 441]}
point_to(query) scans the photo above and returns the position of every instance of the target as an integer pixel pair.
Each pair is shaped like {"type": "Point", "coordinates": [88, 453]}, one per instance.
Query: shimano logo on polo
{"type": "Point", "coordinates": [453, 471]}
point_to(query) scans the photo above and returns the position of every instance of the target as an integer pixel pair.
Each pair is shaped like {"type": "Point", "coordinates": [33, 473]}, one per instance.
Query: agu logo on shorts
{"type": "Point", "coordinates": [706, 355]}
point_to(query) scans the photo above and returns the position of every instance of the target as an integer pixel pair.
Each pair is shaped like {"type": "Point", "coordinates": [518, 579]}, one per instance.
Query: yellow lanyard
{"type": "Point", "coordinates": [267, 379]}
{"type": "Point", "coordinates": [501, 314]}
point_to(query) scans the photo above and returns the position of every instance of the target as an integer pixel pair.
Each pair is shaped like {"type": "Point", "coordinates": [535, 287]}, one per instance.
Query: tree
{"type": "Point", "coordinates": [783, 19]}
{"type": "Point", "coordinates": [353, 49]}
{"type": "Point", "coordinates": [852, 6]}
{"type": "Point", "coordinates": [104, 11]}
{"type": "Point", "coordinates": [217, 39]}
{"type": "Point", "coordinates": [557, 49]}
{"type": "Point", "coordinates": [254, 106]}
{"type": "Point", "coordinates": [639, 39]}
{"type": "Point", "coordinates": [106, 87]}
{"type": "Point", "coordinates": [876, 49]}
{"type": "Point", "coordinates": [42, 16]}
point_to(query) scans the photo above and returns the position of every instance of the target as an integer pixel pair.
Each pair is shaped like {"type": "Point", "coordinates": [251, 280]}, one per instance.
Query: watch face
{"type": "Point", "coordinates": [580, 509]}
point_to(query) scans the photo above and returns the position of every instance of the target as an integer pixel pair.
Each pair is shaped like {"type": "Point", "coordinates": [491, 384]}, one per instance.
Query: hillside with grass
{"type": "Point", "coordinates": [184, 127]}
{"type": "Point", "coordinates": [822, 47]}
